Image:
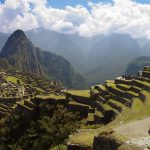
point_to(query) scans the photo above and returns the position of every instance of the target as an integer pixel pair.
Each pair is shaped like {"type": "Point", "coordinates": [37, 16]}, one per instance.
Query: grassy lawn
{"type": "Point", "coordinates": [84, 93]}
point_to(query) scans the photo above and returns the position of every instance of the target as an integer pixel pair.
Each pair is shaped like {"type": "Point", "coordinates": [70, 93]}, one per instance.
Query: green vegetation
{"type": "Point", "coordinates": [40, 63]}
{"type": "Point", "coordinates": [90, 117]}
{"type": "Point", "coordinates": [12, 79]}
{"type": "Point", "coordinates": [50, 129]}
{"type": "Point", "coordinates": [53, 96]}
{"type": "Point", "coordinates": [84, 93]}
{"type": "Point", "coordinates": [138, 64]}
{"type": "Point", "coordinates": [138, 111]}
{"type": "Point", "coordinates": [84, 138]}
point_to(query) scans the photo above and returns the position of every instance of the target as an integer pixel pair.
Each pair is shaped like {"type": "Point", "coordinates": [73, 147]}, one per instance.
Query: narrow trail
{"type": "Point", "coordinates": [136, 132]}
{"type": "Point", "coordinates": [135, 129]}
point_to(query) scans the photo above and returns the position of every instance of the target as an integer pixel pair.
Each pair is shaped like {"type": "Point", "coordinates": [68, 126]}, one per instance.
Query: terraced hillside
{"type": "Point", "coordinates": [121, 100]}
{"type": "Point", "coordinates": [116, 101]}
{"type": "Point", "coordinates": [99, 105]}
{"type": "Point", "coordinates": [104, 102]}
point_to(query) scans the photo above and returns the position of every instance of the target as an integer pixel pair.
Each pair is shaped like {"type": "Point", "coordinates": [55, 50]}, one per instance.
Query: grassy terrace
{"type": "Point", "coordinates": [84, 93]}
{"type": "Point", "coordinates": [138, 111]}
{"type": "Point", "coordinates": [12, 79]}
{"type": "Point", "coordinates": [98, 113]}
{"type": "Point", "coordinates": [108, 107]}
{"type": "Point", "coordinates": [57, 97]}
{"type": "Point", "coordinates": [117, 103]}
{"type": "Point", "coordinates": [133, 93]}
{"type": "Point", "coordinates": [81, 104]}
{"type": "Point", "coordinates": [90, 117]}
{"type": "Point", "coordinates": [123, 86]}
{"type": "Point", "coordinates": [143, 82]}
{"type": "Point", "coordinates": [140, 89]}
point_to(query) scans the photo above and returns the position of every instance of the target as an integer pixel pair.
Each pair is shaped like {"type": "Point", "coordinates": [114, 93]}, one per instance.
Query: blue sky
{"type": "Point", "coordinates": [63, 3]}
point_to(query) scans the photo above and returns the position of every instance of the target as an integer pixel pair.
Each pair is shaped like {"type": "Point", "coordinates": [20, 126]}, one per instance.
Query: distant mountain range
{"type": "Point", "coordinates": [19, 53]}
{"type": "Point", "coordinates": [137, 65]}
{"type": "Point", "coordinates": [97, 58]}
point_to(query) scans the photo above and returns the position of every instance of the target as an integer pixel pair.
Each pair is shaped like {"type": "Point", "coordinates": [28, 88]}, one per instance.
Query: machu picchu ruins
{"type": "Point", "coordinates": [74, 75]}
{"type": "Point", "coordinates": [101, 104]}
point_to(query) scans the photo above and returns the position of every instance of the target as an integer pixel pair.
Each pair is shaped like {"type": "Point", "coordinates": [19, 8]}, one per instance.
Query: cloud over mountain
{"type": "Point", "coordinates": [120, 16]}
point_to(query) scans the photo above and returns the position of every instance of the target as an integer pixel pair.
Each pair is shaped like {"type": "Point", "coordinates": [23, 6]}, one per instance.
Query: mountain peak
{"type": "Point", "coordinates": [16, 42]}
{"type": "Point", "coordinates": [18, 34]}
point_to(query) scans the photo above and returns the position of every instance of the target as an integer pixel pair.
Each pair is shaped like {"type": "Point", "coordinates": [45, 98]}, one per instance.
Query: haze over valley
{"type": "Point", "coordinates": [96, 58]}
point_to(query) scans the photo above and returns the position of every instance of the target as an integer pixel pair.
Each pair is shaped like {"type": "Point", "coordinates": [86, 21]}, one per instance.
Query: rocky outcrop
{"type": "Point", "coordinates": [106, 141]}
{"type": "Point", "coordinates": [77, 147]}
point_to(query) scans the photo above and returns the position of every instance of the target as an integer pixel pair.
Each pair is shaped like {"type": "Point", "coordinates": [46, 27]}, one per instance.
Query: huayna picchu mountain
{"type": "Point", "coordinates": [19, 53]}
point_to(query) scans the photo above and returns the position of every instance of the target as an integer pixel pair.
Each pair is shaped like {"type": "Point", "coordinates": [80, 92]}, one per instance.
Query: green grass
{"type": "Point", "coordinates": [84, 93]}
{"type": "Point", "coordinates": [143, 82]}
{"type": "Point", "coordinates": [117, 89]}
{"type": "Point", "coordinates": [108, 107]}
{"type": "Point", "coordinates": [60, 147]}
{"type": "Point", "coordinates": [90, 117]}
{"type": "Point", "coordinates": [124, 85]}
{"type": "Point", "coordinates": [138, 111]}
{"type": "Point", "coordinates": [111, 84]}
{"type": "Point", "coordinates": [81, 104]}
{"type": "Point", "coordinates": [51, 96]}
{"type": "Point", "coordinates": [98, 113]}
{"type": "Point", "coordinates": [133, 93]}
{"type": "Point", "coordinates": [137, 88]}
{"type": "Point", "coordinates": [117, 103]}
{"type": "Point", "coordinates": [11, 79]}
{"type": "Point", "coordinates": [84, 138]}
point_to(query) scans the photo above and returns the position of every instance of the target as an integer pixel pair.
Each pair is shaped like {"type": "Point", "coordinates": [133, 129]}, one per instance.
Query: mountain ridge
{"type": "Point", "coordinates": [20, 53]}
{"type": "Point", "coordinates": [97, 58]}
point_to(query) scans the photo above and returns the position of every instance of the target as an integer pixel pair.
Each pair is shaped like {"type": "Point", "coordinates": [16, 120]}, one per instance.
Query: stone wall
{"type": "Point", "coordinates": [135, 89]}
{"type": "Point", "coordinates": [84, 110]}
{"type": "Point", "coordinates": [81, 99]}
{"type": "Point", "coordinates": [122, 87]}
{"type": "Point", "coordinates": [115, 106]}
{"type": "Point", "coordinates": [127, 82]}
{"type": "Point", "coordinates": [100, 108]}
{"type": "Point", "coordinates": [138, 84]}
{"type": "Point", "coordinates": [77, 147]}
{"type": "Point", "coordinates": [38, 101]}
{"type": "Point", "coordinates": [116, 92]}
{"type": "Point", "coordinates": [122, 100]}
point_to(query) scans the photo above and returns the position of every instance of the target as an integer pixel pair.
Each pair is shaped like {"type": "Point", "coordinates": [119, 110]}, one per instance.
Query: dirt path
{"type": "Point", "coordinates": [136, 132]}
{"type": "Point", "coordinates": [135, 129]}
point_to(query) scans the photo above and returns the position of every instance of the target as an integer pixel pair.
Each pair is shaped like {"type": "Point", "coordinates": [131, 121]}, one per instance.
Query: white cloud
{"type": "Point", "coordinates": [121, 16]}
